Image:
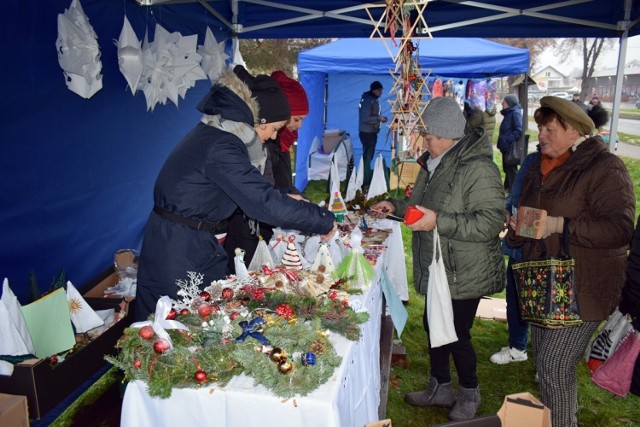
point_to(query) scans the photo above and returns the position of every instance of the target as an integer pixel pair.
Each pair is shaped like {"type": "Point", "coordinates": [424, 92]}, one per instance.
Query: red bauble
{"type": "Point", "coordinates": [205, 310]}
{"type": "Point", "coordinates": [227, 293]}
{"type": "Point", "coordinates": [172, 314]}
{"type": "Point", "coordinates": [137, 364]}
{"type": "Point", "coordinates": [234, 315]}
{"type": "Point", "coordinates": [205, 295]}
{"type": "Point", "coordinates": [161, 345]}
{"type": "Point", "coordinates": [200, 376]}
{"type": "Point", "coordinates": [146, 332]}
{"type": "Point", "coordinates": [184, 311]}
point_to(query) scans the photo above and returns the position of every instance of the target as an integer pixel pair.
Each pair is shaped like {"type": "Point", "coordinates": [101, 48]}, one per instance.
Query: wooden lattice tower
{"type": "Point", "coordinates": [397, 27]}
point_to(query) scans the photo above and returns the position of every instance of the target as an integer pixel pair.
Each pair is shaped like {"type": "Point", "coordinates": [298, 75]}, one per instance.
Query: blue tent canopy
{"type": "Point", "coordinates": [350, 65]}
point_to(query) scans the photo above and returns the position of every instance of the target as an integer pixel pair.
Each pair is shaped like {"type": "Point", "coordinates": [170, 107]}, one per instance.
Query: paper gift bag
{"type": "Point", "coordinates": [524, 410]}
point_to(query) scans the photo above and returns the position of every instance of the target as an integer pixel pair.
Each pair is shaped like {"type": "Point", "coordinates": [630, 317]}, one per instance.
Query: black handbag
{"type": "Point", "coordinates": [547, 289]}
{"type": "Point", "coordinates": [513, 156]}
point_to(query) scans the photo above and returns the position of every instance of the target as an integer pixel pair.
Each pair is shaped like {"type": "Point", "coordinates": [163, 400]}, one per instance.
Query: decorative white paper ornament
{"type": "Point", "coordinates": [15, 324]}
{"type": "Point", "coordinates": [130, 56]}
{"type": "Point", "coordinates": [213, 56]}
{"type": "Point", "coordinates": [78, 52]}
{"type": "Point", "coordinates": [323, 258]}
{"type": "Point", "coordinates": [355, 182]}
{"type": "Point", "coordinates": [82, 315]}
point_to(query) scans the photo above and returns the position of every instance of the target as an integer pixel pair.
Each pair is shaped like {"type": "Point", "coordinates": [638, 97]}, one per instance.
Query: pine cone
{"type": "Point", "coordinates": [317, 347]}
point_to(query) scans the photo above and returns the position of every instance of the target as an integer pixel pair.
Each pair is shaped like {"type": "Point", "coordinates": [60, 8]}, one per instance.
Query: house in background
{"type": "Point", "coordinates": [603, 82]}
{"type": "Point", "coordinates": [551, 80]}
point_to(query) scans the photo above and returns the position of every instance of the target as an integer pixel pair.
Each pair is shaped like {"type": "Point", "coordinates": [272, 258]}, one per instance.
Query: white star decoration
{"type": "Point", "coordinates": [130, 55]}
{"type": "Point", "coordinates": [171, 67]}
{"type": "Point", "coordinates": [213, 56]}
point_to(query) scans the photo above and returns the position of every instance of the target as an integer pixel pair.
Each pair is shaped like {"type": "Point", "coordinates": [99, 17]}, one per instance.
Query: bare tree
{"type": "Point", "coordinates": [535, 46]}
{"type": "Point", "coordinates": [590, 49]}
{"type": "Point", "coordinates": [264, 56]}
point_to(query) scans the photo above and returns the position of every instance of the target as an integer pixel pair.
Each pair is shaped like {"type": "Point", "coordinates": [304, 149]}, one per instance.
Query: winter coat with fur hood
{"type": "Point", "coordinates": [206, 177]}
{"type": "Point", "coordinates": [466, 192]}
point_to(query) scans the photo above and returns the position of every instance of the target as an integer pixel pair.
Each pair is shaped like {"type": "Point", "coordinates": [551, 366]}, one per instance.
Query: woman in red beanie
{"type": "Point", "coordinates": [279, 153]}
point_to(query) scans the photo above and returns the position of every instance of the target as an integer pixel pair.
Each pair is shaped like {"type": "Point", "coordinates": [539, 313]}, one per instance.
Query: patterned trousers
{"type": "Point", "coordinates": [557, 353]}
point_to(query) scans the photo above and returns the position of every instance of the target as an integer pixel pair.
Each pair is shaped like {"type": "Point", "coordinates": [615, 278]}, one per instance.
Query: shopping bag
{"type": "Point", "coordinates": [547, 289]}
{"type": "Point", "coordinates": [613, 332]}
{"type": "Point", "coordinates": [615, 374]}
{"type": "Point", "coordinates": [439, 308]}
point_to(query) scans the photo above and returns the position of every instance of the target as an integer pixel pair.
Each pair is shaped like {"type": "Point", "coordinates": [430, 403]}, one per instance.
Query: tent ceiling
{"type": "Point", "coordinates": [445, 18]}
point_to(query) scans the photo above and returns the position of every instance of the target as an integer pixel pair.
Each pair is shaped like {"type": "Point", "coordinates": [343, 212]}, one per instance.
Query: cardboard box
{"type": "Point", "coordinates": [524, 410]}
{"type": "Point", "coordinates": [481, 421]}
{"type": "Point", "coordinates": [13, 411]}
{"type": "Point", "coordinates": [45, 385]}
{"type": "Point", "coordinates": [492, 309]}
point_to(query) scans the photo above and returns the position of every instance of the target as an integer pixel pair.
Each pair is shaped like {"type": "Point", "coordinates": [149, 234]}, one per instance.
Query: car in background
{"type": "Point", "coordinates": [534, 96]}
{"type": "Point", "coordinates": [563, 95]}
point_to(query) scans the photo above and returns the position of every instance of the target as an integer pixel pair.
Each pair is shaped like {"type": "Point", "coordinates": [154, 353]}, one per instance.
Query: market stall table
{"type": "Point", "coordinates": [351, 397]}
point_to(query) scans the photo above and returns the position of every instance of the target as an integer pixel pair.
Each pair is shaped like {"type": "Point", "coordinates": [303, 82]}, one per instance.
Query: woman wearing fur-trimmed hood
{"type": "Point", "coordinates": [213, 171]}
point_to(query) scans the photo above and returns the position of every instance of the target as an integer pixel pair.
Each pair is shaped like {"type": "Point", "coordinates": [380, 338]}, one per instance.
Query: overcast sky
{"type": "Point", "coordinates": [606, 60]}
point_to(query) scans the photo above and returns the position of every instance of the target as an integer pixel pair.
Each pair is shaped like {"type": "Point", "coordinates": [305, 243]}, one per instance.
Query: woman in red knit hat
{"type": "Point", "coordinates": [279, 153]}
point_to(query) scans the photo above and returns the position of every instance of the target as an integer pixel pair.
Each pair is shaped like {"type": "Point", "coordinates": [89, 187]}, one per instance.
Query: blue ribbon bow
{"type": "Point", "coordinates": [253, 329]}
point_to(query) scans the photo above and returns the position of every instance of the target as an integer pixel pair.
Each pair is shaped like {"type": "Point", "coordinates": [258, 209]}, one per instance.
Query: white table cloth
{"type": "Point", "coordinates": [350, 398]}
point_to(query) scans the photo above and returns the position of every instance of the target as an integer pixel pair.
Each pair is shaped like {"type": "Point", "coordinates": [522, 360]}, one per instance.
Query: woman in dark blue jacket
{"type": "Point", "coordinates": [215, 169]}
{"type": "Point", "coordinates": [510, 132]}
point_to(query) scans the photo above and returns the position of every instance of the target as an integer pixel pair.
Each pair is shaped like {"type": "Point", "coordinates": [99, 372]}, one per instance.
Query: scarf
{"type": "Point", "coordinates": [287, 138]}
{"type": "Point", "coordinates": [246, 133]}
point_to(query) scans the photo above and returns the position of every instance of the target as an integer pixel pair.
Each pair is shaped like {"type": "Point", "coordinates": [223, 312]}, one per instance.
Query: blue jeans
{"type": "Point", "coordinates": [518, 329]}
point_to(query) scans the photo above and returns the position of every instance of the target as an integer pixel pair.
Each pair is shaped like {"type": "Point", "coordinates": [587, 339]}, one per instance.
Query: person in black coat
{"type": "Point", "coordinates": [630, 299]}
{"type": "Point", "coordinates": [214, 170]}
{"type": "Point", "coordinates": [510, 132]}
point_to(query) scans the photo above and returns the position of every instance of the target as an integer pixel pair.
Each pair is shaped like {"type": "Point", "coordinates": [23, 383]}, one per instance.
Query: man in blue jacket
{"type": "Point", "coordinates": [369, 120]}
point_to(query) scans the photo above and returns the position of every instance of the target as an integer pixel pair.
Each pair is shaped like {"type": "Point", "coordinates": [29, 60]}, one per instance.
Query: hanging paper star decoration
{"type": "Point", "coordinates": [78, 52]}
{"type": "Point", "coordinates": [130, 55]}
{"type": "Point", "coordinates": [171, 67]}
{"type": "Point", "coordinates": [214, 58]}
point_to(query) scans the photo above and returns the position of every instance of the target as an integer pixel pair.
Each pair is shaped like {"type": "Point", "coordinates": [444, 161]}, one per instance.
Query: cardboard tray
{"type": "Point", "coordinates": [44, 385]}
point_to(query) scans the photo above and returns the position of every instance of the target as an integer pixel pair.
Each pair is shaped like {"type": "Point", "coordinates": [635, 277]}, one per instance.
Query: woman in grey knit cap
{"type": "Point", "coordinates": [459, 190]}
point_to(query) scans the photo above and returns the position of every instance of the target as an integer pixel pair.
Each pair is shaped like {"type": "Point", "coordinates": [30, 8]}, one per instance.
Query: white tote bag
{"type": "Point", "coordinates": [439, 309]}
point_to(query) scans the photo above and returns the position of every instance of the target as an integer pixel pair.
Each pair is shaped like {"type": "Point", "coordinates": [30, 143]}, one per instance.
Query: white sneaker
{"type": "Point", "coordinates": [508, 355]}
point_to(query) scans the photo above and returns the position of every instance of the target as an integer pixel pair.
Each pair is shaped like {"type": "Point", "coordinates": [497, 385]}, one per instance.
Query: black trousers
{"type": "Point", "coordinates": [369, 141]}
{"type": "Point", "coordinates": [510, 172]}
{"type": "Point", "coordinates": [464, 355]}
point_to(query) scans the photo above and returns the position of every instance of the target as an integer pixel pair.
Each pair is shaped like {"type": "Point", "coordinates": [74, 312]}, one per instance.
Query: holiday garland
{"type": "Point", "coordinates": [279, 339]}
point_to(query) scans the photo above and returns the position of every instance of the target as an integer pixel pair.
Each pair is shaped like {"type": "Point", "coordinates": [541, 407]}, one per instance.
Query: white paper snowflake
{"type": "Point", "coordinates": [214, 58]}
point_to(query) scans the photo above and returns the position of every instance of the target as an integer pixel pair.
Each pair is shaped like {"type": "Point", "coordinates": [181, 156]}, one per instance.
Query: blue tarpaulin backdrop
{"type": "Point", "coordinates": [338, 73]}
{"type": "Point", "coordinates": [77, 175]}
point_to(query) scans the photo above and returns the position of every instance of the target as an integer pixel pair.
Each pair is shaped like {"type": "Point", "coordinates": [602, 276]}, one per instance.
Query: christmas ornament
{"type": "Point", "coordinates": [200, 376]}
{"type": "Point", "coordinates": [278, 354]}
{"type": "Point", "coordinates": [161, 345]}
{"type": "Point", "coordinates": [172, 314]}
{"type": "Point", "coordinates": [285, 366]}
{"type": "Point", "coordinates": [54, 360]}
{"type": "Point", "coordinates": [137, 364]}
{"type": "Point", "coordinates": [308, 359]}
{"type": "Point", "coordinates": [184, 312]}
{"type": "Point", "coordinates": [233, 316]}
{"type": "Point", "coordinates": [205, 310]}
{"type": "Point", "coordinates": [205, 296]}
{"type": "Point", "coordinates": [338, 206]}
{"type": "Point", "coordinates": [261, 256]}
{"type": "Point", "coordinates": [227, 293]}
{"type": "Point", "coordinates": [146, 332]}
{"type": "Point", "coordinates": [291, 257]}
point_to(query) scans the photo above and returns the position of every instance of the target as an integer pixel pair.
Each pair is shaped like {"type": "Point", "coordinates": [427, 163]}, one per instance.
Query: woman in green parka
{"type": "Point", "coordinates": [458, 189]}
